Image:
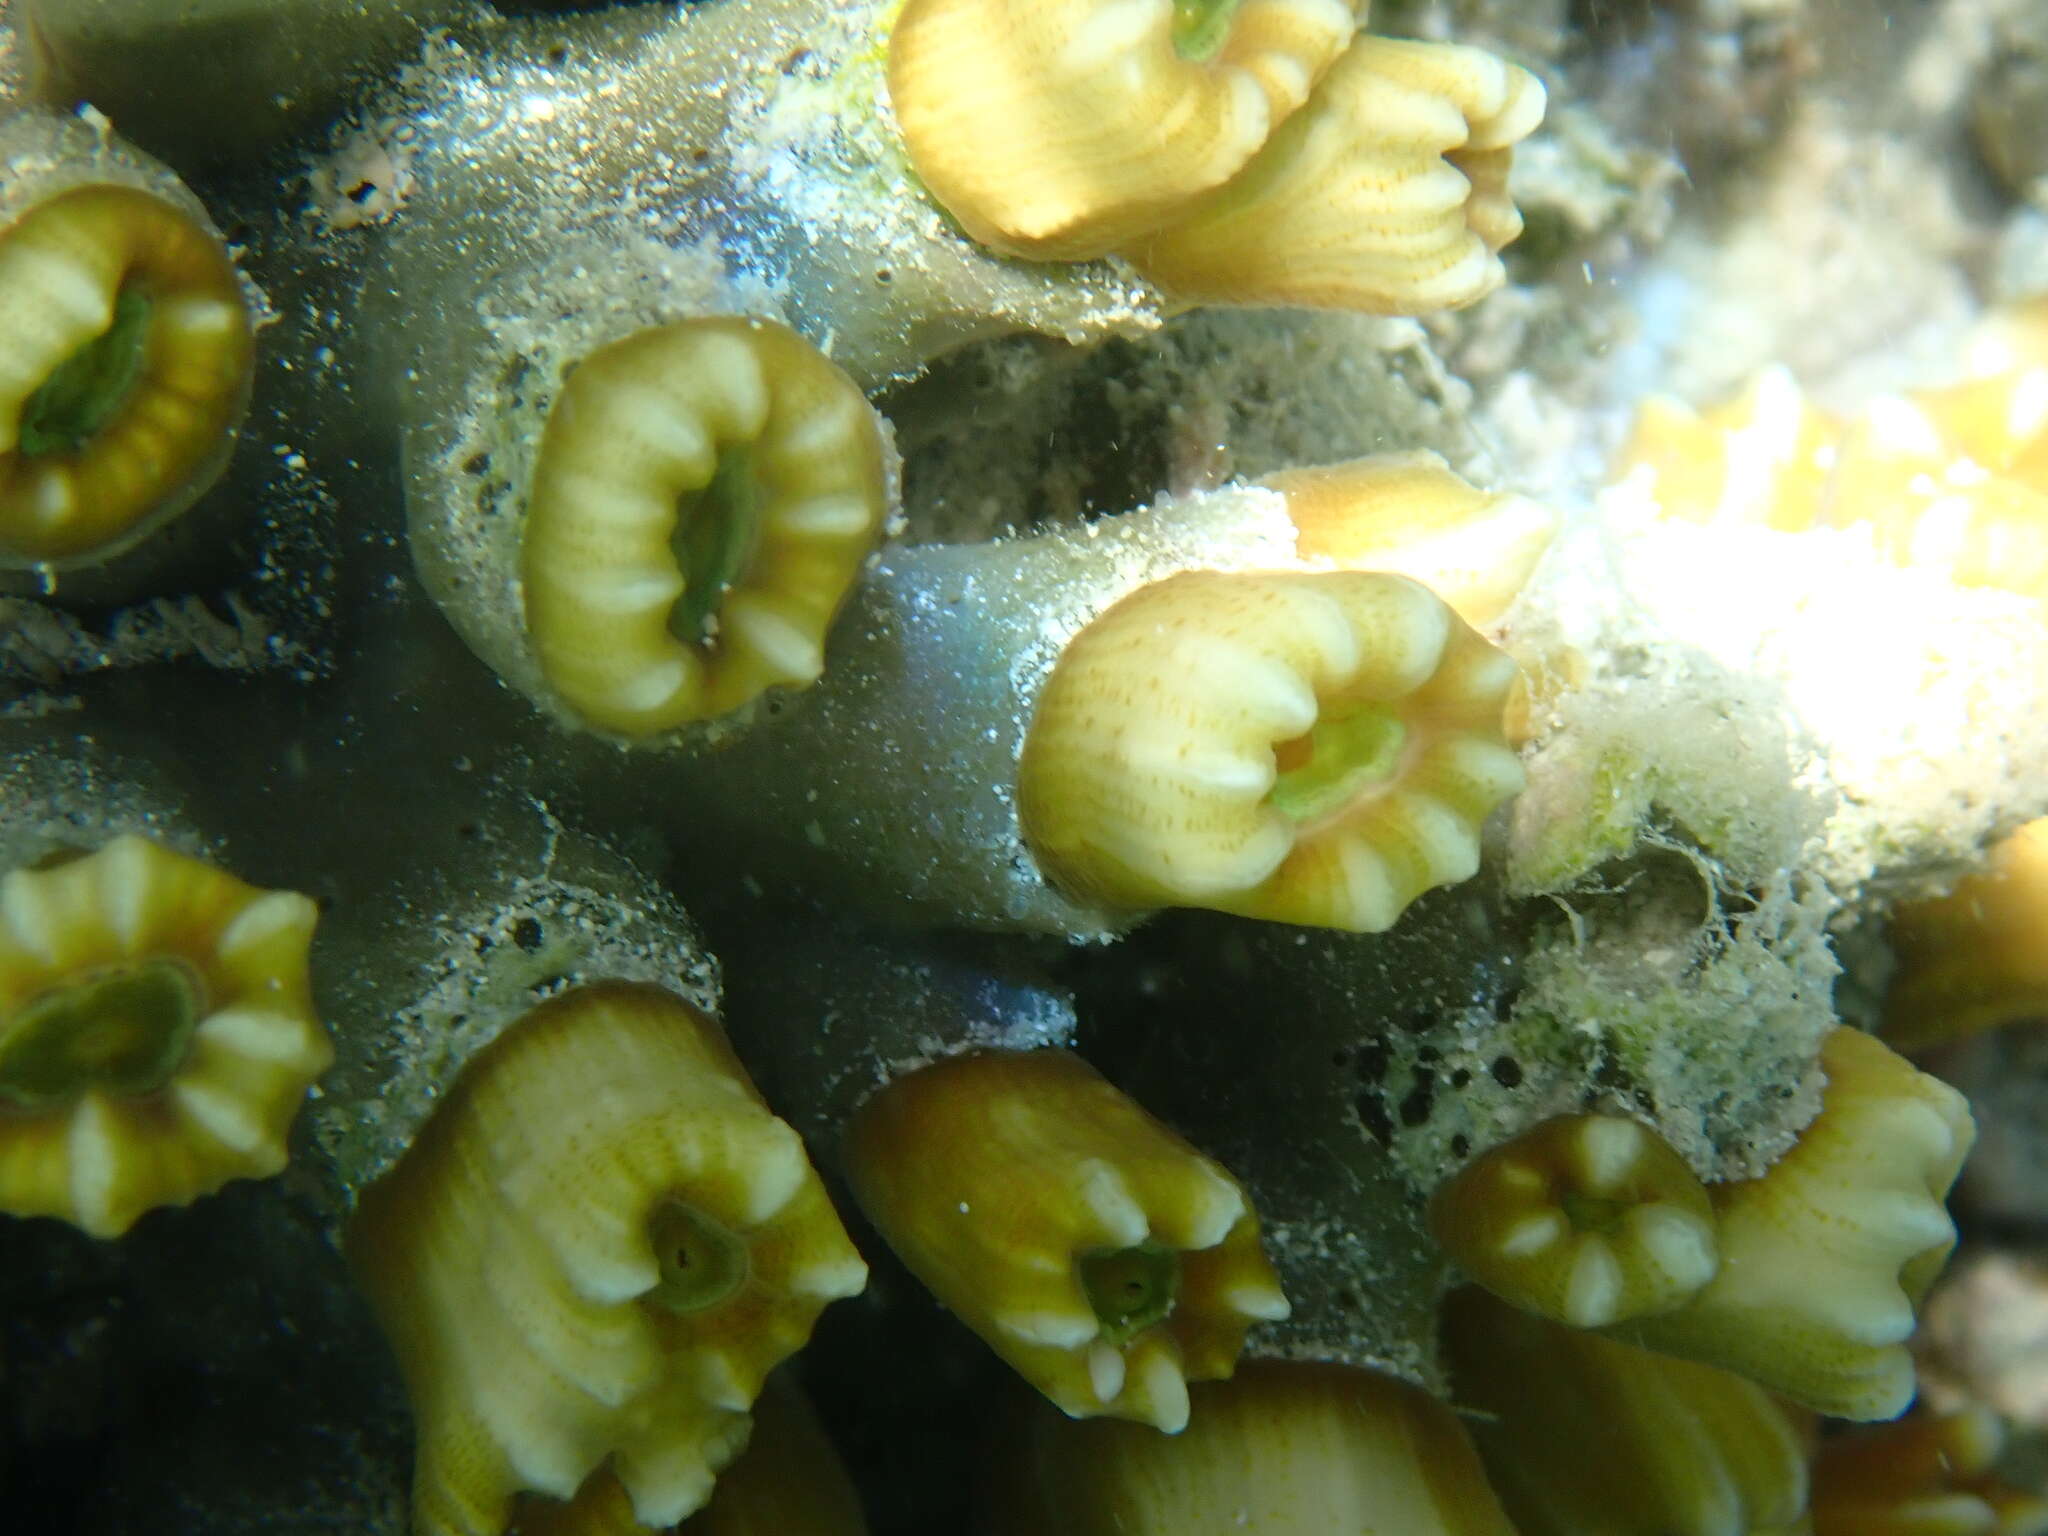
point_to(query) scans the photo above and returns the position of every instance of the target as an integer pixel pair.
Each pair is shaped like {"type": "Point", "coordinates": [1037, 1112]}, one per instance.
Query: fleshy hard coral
{"type": "Point", "coordinates": [1287, 1448]}
{"type": "Point", "coordinates": [1307, 748]}
{"type": "Point", "coordinates": [157, 1034]}
{"type": "Point", "coordinates": [704, 496]}
{"type": "Point", "coordinates": [1977, 957]}
{"type": "Point", "coordinates": [1929, 1474]}
{"type": "Point", "coordinates": [1409, 514]}
{"type": "Point", "coordinates": [1584, 1436]}
{"type": "Point", "coordinates": [125, 356]}
{"type": "Point", "coordinates": [1250, 153]}
{"type": "Point", "coordinates": [1059, 129]}
{"type": "Point", "coordinates": [788, 1482]}
{"type": "Point", "coordinates": [1587, 1220]}
{"type": "Point", "coordinates": [1826, 1256]}
{"type": "Point", "coordinates": [599, 1246]}
{"type": "Point", "coordinates": [1952, 479]}
{"type": "Point", "coordinates": [1102, 1256]}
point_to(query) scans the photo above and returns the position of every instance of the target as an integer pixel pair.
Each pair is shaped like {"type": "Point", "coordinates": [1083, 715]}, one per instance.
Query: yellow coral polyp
{"type": "Point", "coordinates": [704, 496]}
{"type": "Point", "coordinates": [1314, 748]}
{"type": "Point", "coordinates": [1385, 193]}
{"type": "Point", "coordinates": [788, 1482]}
{"type": "Point", "coordinates": [1825, 1258]}
{"type": "Point", "coordinates": [1928, 1474]}
{"type": "Point", "coordinates": [157, 1033]}
{"type": "Point", "coordinates": [1764, 457]}
{"type": "Point", "coordinates": [1285, 1448]}
{"type": "Point", "coordinates": [597, 1248]}
{"type": "Point", "coordinates": [1586, 1219]}
{"type": "Point", "coordinates": [1062, 129]}
{"type": "Point", "coordinates": [1409, 514]}
{"type": "Point", "coordinates": [1581, 1434]}
{"type": "Point", "coordinates": [1103, 1257]}
{"type": "Point", "coordinates": [1977, 957]}
{"type": "Point", "coordinates": [1953, 480]}
{"type": "Point", "coordinates": [125, 362]}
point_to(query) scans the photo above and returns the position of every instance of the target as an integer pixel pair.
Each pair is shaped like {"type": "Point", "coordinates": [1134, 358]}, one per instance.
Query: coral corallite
{"type": "Point", "coordinates": [1586, 1219]}
{"type": "Point", "coordinates": [1584, 1436]}
{"type": "Point", "coordinates": [1312, 748]}
{"type": "Point", "coordinates": [1059, 129]}
{"type": "Point", "coordinates": [1409, 514]}
{"type": "Point", "coordinates": [599, 1246]}
{"type": "Point", "coordinates": [125, 363]}
{"type": "Point", "coordinates": [704, 496]}
{"type": "Point", "coordinates": [1827, 1256]}
{"type": "Point", "coordinates": [1285, 1448]}
{"type": "Point", "coordinates": [1102, 1256]}
{"type": "Point", "coordinates": [157, 1034]}
{"type": "Point", "coordinates": [1977, 957]}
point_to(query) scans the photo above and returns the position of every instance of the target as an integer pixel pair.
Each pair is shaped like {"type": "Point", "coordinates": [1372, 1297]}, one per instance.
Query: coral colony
{"type": "Point", "coordinates": [1335, 974]}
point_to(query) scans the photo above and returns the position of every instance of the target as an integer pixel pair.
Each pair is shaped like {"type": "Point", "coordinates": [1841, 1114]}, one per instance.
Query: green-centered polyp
{"type": "Point", "coordinates": [704, 495]}
{"type": "Point", "coordinates": [124, 1032]}
{"type": "Point", "coordinates": [1130, 1289]}
{"type": "Point", "coordinates": [125, 362]}
{"type": "Point", "coordinates": [702, 1261]}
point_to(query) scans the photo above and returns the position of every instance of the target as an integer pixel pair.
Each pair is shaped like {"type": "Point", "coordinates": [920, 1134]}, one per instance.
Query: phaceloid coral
{"type": "Point", "coordinates": [597, 1248]}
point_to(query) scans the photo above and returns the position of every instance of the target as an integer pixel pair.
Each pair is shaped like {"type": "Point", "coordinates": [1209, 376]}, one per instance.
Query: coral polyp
{"type": "Point", "coordinates": [127, 354]}
{"type": "Point", "coordinates": [1102, 1256]}
{"type": "Point", "coordinates": [1285, 1448]}
{"type": "Point", "coordinates": [703, 497]}
{"type": "Point", "coordinates": [1015, 610]}
{"type": "Point", "coordinates": [1410, 514]}
{"type": "Point", "coordinates": [1061, 130]}
{"type": "Point", "coordinates": [1386, 193]}
{"type": "Point", "coordinates": [157, 1034]}
{"type": "Point", "coordinates": [1977, 957]}
{"type": "Point", "coordinates": [1582, 1434]}
{"type": "Point", "coordinates": [1587, 1220]}
{"type": "Point", "coordinates": [1827, 1257]}
{"type": "Point", "coordinates": [1312, 749]}
{"type": "Point", "coordinates": [598, 1247]}
{"type": "Point", "coordinates": [1241, 153]}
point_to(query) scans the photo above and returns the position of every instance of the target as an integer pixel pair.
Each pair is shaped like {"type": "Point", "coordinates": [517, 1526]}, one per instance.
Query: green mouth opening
{"type": "Point", "coordinates": [1130, 1289]}
{"type": "Point", "coordinates": [702, 1261]}
{"type": "Point", "coordinates": [1588, 1213]}
{"type": "Point", "coordinates": [88, 387]}
{"type": "Point", "coordinates": [1200, 26]}
{"type": "Point", "coordinates": [714, 544]}
{"type": "Point", "coordinates": [1345, 754]}
{"type": "Point", "coordinates": [123, 1032]}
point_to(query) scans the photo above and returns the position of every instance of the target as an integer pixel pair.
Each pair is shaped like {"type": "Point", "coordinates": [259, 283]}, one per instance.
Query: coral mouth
{"type": "Point", "coordinates": [123, 1031]}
